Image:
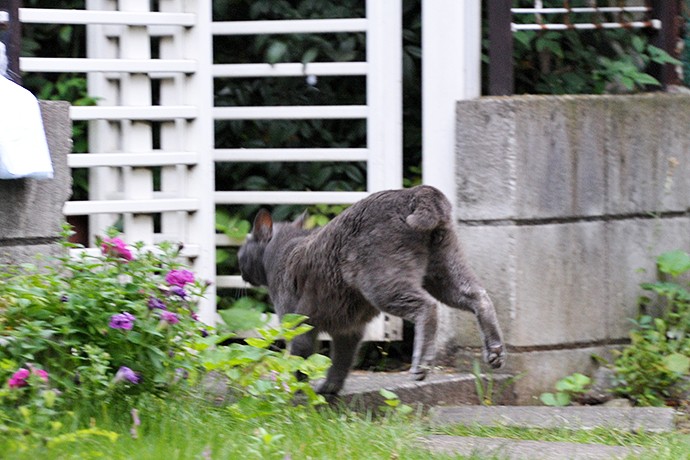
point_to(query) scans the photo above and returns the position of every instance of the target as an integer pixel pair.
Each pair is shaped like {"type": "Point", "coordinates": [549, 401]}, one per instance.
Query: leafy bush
{"type": "Point", "coordinates": [655, 367]}
{"type": "Point", "coordinates": [102, 324]}
{"type": "Point", "coordinates": [566, 388]}
{"type": "Point", "coordinates": [96, 329]}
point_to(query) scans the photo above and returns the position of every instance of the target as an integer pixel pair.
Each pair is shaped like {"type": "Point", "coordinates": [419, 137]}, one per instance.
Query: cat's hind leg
{"type": "Point", "coordinates": [450, 280]}
{"type": "Point", "coordinates": [400, 298]}
{"type": "Point", "coordinates": [343, 350]}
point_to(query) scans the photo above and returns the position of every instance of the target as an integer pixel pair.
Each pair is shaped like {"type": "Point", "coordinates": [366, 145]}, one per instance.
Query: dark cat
{"type": "Point", "coordinates": [395, 251]}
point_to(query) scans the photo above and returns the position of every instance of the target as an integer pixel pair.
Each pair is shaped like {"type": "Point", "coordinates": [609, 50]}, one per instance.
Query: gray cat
{"type": "Point", "coordinates": [395, 251]}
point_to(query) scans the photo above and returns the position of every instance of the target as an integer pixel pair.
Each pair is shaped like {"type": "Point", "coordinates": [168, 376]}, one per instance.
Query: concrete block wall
{"type": "Point", "coordinates": [563, 204]}
{"type": "Point", "coordinates": [31, 210]}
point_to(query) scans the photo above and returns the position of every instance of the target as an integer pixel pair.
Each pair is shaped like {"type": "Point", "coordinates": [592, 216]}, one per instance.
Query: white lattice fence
{"type": "Point", "coordinates": [150, 136]}
{"type": "Point", "coordinates": [382, 112]}
{"type": "Point", "coordinates": [151, 148]}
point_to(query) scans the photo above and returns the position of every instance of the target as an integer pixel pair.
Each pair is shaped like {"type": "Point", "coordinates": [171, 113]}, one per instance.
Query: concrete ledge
{"type": "Point", "coordinates": [512, 449]}
{"type": "Point", "coordinates": [362, 389]}
{"type": "Point", "coordinates": [632, 419]}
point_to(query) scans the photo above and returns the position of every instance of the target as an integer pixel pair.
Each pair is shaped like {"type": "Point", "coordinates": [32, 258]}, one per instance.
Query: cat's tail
{"type": "Point", "coordinates": [430, 209]}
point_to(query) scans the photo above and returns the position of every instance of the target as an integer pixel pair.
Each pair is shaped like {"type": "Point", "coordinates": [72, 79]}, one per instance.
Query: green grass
{"type": "Point", "coordinates": [190, 429]}
{"type": "Point", "coordinates": [194, 430]}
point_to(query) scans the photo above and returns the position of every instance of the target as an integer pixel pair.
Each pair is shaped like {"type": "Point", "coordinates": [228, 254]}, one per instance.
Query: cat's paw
{"type": "Point", "coordinates": [329, 388]}
{"type": "Point", "coordinates": [495, 355]}
{"type": "Point", "coordinates": [419, 373]}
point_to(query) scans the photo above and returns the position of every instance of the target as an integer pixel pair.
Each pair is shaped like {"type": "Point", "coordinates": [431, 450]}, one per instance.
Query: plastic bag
{"type": "Point", "coordinates": [23, 147]}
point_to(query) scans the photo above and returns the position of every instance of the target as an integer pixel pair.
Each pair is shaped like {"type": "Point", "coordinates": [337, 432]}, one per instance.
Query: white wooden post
{"type": "Point", "coordinates": [451, 71]}
{"type": "Point", "coordinates": [135, 43]}
{"type": "Point", "coordinates": [384, 94]}
{"type": "Point", "coordinates": [199, 92]}
{"type": "Point", "coordinates": [104, 135]}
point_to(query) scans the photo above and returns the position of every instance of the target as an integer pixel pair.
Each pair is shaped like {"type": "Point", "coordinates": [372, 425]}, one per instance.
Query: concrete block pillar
{"type": "Point", "coordinates": [31, 210]}
{"type": "Point", "coordinates": [563, 204]}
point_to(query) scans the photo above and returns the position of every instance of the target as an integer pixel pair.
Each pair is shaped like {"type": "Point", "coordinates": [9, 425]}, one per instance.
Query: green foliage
{"type": "Point", "coordinates": [584, 61]}
{"type": "Point", "coordinates": [566, 389]}
{"type": "Point", "coordinates": [99, 329]}
{"type": "Point", "coordinates": [655, 367]}
{"type": "Point", "coordinates": [393, 405]}
{"type": "Point", "coordinates": [61, 316]}
{"type": "Point", "coordinates": [485, 384]}
{"type": "Point", "coordinates": [262, 379]}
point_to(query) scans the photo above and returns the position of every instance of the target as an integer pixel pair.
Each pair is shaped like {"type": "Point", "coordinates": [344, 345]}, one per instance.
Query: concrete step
{"type": "Point", "coordinates": [512, 449]}
{"type": "Point", "coordinates": [362, 389]}
{"type": "Point", "coordinates": [649, 419]}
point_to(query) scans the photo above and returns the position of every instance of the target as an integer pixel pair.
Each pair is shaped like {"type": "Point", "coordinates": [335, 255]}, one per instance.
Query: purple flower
{"type": "Point", "coordinates": [178, 291]}
{"type": "Point", "coordinates": [169, 317]}
{"type": "Point", "coordinates": [156, 303]}
{"type": "Point", "coordinates": [64, 298]}
{"type": "Point", "coordinates": [125, 373]}
{"type": "Point", "coordinates": [204, 332]}
{"type": "Point", "coordinates": [122, 321]}
{"type": "Point", "coordinates": [115, 247]}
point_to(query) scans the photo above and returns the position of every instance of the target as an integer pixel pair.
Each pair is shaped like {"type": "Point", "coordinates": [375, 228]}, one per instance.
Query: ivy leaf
{"type": "Point", "coordinates": [275, 52]}
{"type": "Point", "coordinates": [677, 363]}
{"type": "Point", "coordinates": [674, 263]}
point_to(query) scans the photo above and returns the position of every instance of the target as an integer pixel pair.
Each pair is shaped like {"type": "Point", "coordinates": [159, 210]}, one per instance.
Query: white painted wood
{"type": "Point", "coordinates": [104, 135]}
{"type": "Point", "coordinates": [289, 69]}
{"type": "Point", "coordinates": [143, 206]}
{"type": "Point", "coordinates": [154, 158]}
{"type": "Point", "coordinates": [303, 26]}
{"type": "Point", "coordinates": [384, 94]}
{"type": "Point", "coordinates": [198, 44]}
{"type": "Point", "coordinates": [290, 112]}
{"type": "Point", "coordinates": [252, 197]}
{"type": "Point", "coordinates": [28, 64]}
{"type": "Point", "coordinates": [451, 42]}
{"type": "Point", "coordinates": [145, 113]}
{"type": "Point", "coordinates": [90, 17]}
{"type": "Point", "coordinates": [268, 155]}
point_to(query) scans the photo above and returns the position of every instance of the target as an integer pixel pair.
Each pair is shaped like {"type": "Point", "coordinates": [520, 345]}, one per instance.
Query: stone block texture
{"type": "Point", "coordinates": [563, 204]}
{"type": "Point", "coordinates": [31, 215]}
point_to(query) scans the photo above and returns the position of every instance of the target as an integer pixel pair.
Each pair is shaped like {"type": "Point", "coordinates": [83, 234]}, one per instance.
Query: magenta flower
{"type": "Point", "coordinates": [170, 317]}
{"type": "Point", "coordinates": [179, 277]}
{"type": "Point", "coordinates": [115, 247]}
{"type": "Point", "coordinates": [125, 373]}
{"type": "Point", "coordinates": [20, 378]}
{"type": "Point", "coordinates": [122, 321]}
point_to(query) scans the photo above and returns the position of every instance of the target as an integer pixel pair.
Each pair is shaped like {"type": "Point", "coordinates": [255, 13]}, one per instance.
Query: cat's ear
{"type": "Point", "coordinates": [301, 219]}
{"type": "Point", "coordinates": [263, 226]}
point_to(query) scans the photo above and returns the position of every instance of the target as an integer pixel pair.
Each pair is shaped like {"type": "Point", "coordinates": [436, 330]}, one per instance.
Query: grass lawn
{"type": "Point", "coordinates": [186, 429]}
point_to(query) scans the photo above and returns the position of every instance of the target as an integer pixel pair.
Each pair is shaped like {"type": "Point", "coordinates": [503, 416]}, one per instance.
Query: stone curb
{"type": "Point", "coordinates": [512, 449]}
{"type": "Point", "coordinates": [650, 419]}
{"type": "Point", "coordinates": [362, 389]}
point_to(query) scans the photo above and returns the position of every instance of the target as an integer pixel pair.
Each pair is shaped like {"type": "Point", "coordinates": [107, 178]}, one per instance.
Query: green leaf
{"type": "Point", "coordinates": [240, 319]}
{"type": "Point", "coordinates": [674, 263]}
{"type": "Point", "coordinates": [677, 363]}
{"type": "Point", "coordinates": [310, 55]}
{"type": "Point", "coordinates": [555, 400]}
{"type": "Point", "coordinates": [257, 342]}
{"type": "Point", "coordinates": [387, 394]}
{"type": "Point", "coordinates": [275, 52]}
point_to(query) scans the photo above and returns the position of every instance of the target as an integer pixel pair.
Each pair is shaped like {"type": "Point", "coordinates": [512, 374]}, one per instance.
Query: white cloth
{"type": "Point", "coordinates": [23, 147]}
